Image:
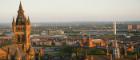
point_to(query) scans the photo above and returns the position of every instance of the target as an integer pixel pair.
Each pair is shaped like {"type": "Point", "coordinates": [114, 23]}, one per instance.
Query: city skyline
{"type": "Point", "coordinates": [72, 10]}
{"type": "Point", "coordinates": [25, 40]}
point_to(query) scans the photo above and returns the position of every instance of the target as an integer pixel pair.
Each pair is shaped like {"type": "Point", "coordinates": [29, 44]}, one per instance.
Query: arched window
{"type": "Point", "coordinates": [18, 38]}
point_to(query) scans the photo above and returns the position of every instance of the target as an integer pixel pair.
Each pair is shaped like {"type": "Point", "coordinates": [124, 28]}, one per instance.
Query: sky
{"type": "Point", "coordinates": [72, 10]}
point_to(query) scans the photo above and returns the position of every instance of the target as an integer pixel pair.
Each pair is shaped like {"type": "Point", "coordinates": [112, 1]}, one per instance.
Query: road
{"type": "Point", "coordinates": [97, 57]}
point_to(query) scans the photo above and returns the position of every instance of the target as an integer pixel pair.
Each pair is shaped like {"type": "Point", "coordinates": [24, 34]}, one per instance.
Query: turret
{"type": "Point", "coordinates": [28, 21]}
{"type": "Point", "coordinates": [28, 30]}
{"type": "Point", "coordinates": [13, 25]}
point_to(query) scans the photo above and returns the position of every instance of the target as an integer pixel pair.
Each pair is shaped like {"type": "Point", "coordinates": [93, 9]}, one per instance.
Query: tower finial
{"type": "Point", "coordinates": [13, 20]}
{"type": "Point", "coordinates": [20, 8]}
{"type": "Point", "coordinates": [28, 20]}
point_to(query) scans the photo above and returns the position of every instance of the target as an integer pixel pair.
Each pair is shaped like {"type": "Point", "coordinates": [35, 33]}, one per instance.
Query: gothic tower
{"type": "Point", "coordinates": [21, 29]}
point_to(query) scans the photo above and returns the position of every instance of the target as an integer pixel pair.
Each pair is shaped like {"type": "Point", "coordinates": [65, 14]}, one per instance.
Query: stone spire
{"type": "Point", "coordinates": [20, 8]}
{"type": "Point", "coordinates": [13, 21]}
{"type": "Point", "coordinates": [13, 25]}
{"type": "Point", "coordinates": [28, 20]}
{"type": "Point", "coordinates": [21, 18]}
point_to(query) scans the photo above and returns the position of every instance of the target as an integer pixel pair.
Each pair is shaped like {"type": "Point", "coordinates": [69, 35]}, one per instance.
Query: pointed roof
{"type": "Point", "coordinates": [13, 21]}
{"type": "Point", "coordinates": [20, 8]}
{"type": "Point", "coordinates": [21, 18]}
{"type": "Point", "coordinates": [28, 21]}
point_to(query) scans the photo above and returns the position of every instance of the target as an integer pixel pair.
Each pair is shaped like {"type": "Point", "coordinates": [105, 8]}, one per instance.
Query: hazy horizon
{"type": "Point", "coordinates": [72, 10]}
